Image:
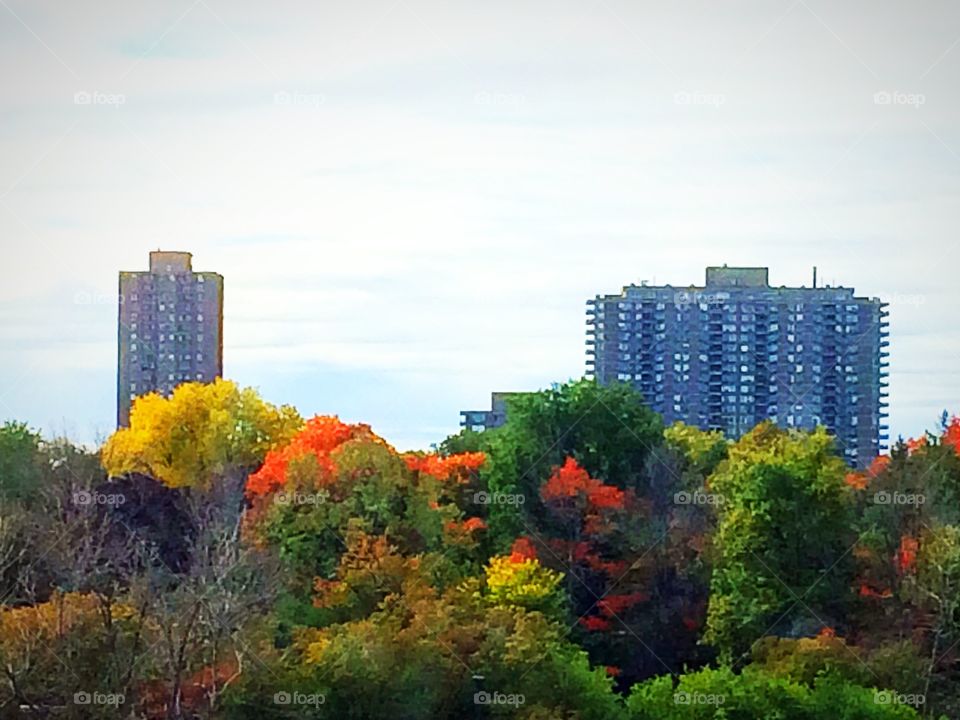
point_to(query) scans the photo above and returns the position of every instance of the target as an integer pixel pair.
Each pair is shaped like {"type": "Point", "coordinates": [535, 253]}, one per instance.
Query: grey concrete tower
{"type": "Point", "coordinates": [170, 328]}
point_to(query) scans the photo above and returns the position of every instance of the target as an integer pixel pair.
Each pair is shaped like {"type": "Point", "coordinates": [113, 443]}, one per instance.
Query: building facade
{"type": "Point", "coordinates": [170, 328]}
{"type": "Point", "coordinates": [736, 351]}
{"type": "Point", "coordinates": [480, 420]}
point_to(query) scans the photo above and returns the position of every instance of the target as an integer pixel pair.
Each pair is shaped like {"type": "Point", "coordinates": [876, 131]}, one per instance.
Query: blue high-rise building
{"type": "Point", "coordinates": [735, 351]}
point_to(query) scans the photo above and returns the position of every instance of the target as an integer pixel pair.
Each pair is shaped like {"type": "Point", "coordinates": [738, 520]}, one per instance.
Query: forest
{"type": "Point", "coordinates": [224, 557]}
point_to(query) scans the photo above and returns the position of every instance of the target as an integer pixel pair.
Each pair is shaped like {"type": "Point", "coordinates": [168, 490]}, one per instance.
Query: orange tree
{"type": "Point", "coordinates": [334, 478]}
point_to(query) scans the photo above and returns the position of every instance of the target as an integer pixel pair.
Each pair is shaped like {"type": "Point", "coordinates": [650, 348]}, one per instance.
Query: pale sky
{"type": "Point", "coordinates": [410, 201]}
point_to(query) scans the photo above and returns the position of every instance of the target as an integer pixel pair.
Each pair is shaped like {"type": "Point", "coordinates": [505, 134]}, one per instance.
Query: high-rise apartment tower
{"type": "Point", "coordinates": [170, 328]}
{"type": "Point", "coordinates": [736, 351]}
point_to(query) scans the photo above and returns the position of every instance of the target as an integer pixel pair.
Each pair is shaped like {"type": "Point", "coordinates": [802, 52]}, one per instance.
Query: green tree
{"type": "Point", "coordinates": [21, 461]}
{"type": "Point", "coordinates": [783, 546]}
{"type": "Point", "coordinates": [721, 693]}
{"type": "Point", "coordinates": [608, 430]}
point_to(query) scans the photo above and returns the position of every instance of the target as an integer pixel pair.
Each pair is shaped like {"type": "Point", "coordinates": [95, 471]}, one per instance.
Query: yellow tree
{"type": "Point", "coordinates": [201, 434]}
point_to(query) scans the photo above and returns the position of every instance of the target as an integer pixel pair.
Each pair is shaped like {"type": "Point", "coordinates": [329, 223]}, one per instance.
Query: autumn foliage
{"type": "Point", "coordinates": [319, 438]}
{"type": "Point", "coordinates": [458, 466]}
{"type": "Point", "coordinates": [572, 482]}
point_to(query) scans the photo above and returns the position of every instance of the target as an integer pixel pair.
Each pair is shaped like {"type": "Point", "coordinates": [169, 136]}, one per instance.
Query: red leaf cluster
{"type": "Point", "coordinates": [582, 552]}
{"type": "Point", "coordinates": [467, 526]}
{"type": "Point", "coordinates": [571, 481]}
{"type": "Point", "coordinates": [906, 558]}
{"type": "Point", "coordinates": [613, 605]}
{"type": "Point", "coordinates": [951, 435]}
{"type": "Point", "coordinates": [320, 436]}
{"type": "Point", "coordinates": [443, 468]}
{"type": "Point", "coordinates": [856, 480]}
{"type": "Point", "coordinates": [867, 591]}
{"type": "Point", "coordinates": [878, 465]}
{"type": "Point", "coordinates": [522, 550]}
{"type": "Point", "coordinates": [595, 623]}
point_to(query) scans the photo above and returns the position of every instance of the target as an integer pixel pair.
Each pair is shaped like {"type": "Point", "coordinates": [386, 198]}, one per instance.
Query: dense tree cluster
{"type": "Point", "coordinates": [224, 558]}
